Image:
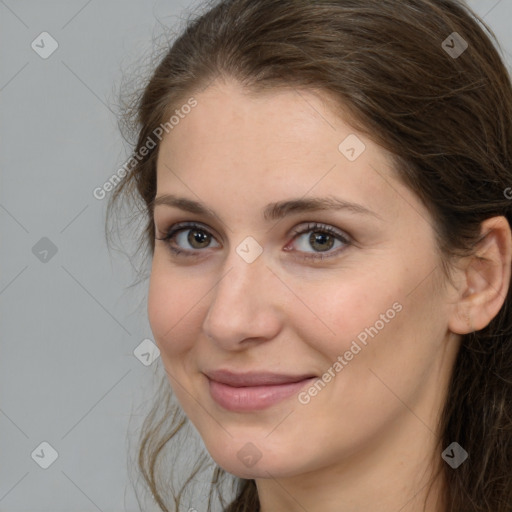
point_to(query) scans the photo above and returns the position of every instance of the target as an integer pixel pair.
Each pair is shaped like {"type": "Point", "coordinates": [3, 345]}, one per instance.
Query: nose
{"type": "Point", "coordinates": [245, 305]}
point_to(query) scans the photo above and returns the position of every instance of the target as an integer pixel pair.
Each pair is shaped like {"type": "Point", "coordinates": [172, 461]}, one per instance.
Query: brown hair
{"type": "Point", "coordinates": [447, 121]}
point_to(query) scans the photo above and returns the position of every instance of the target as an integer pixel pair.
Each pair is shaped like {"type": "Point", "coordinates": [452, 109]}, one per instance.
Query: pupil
{"type": "Point", "coordinates": [324, 240]}
{"type": "Point", "coordinates": [198, 238]}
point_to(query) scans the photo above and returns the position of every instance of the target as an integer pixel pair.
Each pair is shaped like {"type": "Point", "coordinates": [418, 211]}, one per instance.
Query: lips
{"type": "Point", "coordinates": [250, 379]}
{"type": "Point", "coordinates": [252, 391]}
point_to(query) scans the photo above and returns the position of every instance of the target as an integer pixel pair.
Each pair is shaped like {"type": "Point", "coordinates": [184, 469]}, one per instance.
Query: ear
{"type": "Point", "coordinates": [485, 280]}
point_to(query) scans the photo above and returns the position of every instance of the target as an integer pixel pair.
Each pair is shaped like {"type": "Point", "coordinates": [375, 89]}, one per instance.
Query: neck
{"type": "Point", "coordinates": [392, 474]}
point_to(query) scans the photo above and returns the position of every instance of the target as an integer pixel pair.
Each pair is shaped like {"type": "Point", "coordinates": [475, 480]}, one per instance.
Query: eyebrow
{"type": "Point", "coordinates": [273, 211]}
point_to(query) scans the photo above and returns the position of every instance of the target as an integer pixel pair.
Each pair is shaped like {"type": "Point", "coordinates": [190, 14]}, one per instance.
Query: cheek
{"type": "Point", "coordinates": [170, 302]}
{"type": "Point", "coordinates": [346, 309]}
{"type": "Point", "coordinates": [371, 324]}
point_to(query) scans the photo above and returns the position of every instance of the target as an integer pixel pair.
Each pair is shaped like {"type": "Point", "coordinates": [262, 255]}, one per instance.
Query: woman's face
{"type": "Point", "coordinates": [297, 333]}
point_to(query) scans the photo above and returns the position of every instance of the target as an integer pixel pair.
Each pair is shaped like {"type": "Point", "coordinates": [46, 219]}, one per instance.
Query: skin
{"type": "Point", "coordinates": [366, 440]}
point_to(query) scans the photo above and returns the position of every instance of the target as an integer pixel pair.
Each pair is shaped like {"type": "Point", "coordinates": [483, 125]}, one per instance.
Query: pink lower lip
{"type": "Point", "coordinates": [252, 398]}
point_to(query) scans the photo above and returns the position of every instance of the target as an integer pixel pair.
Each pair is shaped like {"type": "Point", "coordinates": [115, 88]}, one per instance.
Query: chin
{"type": "Point", "coordinates": [261, 469]}
{"type": "Point", "coordinates": [249, 460]}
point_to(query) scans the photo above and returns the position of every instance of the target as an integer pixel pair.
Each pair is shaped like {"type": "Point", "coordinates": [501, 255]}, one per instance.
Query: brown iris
{"type": "Point", "coordinates": [199, 237]}
{"type": "Point", "coordinates": [321, 241]}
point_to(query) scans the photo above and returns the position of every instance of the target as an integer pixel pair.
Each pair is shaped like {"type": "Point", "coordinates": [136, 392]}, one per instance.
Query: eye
{"type": "Point", "coordinates": [321, 238]}
{"type": "Point", "coordinates": [188, 238]}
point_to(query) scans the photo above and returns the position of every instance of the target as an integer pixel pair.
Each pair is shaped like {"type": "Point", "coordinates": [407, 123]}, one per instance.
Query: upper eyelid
{"type": "Point", "coordinates": [320, 226]}
{"type": "Point", "coordinates": [184, 225]}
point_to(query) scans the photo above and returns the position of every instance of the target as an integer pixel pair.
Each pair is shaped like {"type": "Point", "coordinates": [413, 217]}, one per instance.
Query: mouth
{"type": "Point", "coordinates": [252, 391]}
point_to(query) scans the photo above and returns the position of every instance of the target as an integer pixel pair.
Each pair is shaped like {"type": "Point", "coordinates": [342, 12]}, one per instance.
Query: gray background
{"type": "Point", "coordinates": [69, 376]}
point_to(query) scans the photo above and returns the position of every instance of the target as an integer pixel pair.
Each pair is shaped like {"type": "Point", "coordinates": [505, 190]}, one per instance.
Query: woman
{"type": "Point", "coordinates": [324, 185]}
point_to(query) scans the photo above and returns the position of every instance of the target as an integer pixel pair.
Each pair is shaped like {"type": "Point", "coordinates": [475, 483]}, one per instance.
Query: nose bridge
{"type": "Point", "coordinates": [243, 302]}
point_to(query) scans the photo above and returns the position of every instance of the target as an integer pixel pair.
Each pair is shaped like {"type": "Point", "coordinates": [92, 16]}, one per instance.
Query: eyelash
{"type": "Point", "coordinates": [311, 227]}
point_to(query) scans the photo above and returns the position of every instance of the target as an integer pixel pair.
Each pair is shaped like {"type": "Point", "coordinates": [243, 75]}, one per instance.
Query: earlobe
{"type": "Point", "coordinates": [486, 278]}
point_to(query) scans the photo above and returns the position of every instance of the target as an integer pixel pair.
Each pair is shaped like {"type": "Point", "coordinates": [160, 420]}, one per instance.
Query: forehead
{"type": "Point", "coordinates": [269, 144]}
{"type": "Point", "coordinates": [229, 114]}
